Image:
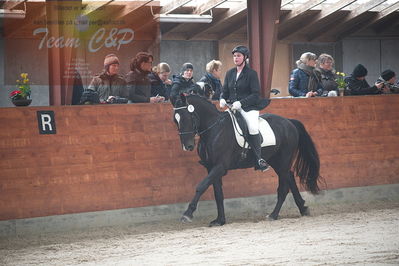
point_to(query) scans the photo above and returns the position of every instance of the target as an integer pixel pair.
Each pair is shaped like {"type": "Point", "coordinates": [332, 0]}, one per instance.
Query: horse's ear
{"type": "Point", "coordinates": [183, 98]}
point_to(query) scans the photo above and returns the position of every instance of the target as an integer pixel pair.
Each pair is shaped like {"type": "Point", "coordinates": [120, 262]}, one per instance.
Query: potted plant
{"type": "Point", "coordinates": [21, 96]}
{"type": "Point", "coordinates": [341, 82]}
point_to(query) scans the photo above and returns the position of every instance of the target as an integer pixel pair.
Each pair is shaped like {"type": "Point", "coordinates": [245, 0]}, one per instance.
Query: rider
{"type": "Point", "coordinates": [241, 87]}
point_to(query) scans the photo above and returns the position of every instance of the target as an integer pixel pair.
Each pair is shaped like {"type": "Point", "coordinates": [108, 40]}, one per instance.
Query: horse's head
{"type": "Point", "coordinates": [187, 122]}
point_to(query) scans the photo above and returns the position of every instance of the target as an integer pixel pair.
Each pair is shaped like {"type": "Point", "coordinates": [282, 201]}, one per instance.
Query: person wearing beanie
{"type": "Point", "coordinates": [388, 79]}
{"type": "Point", "coordinates": [184, 83]}
{"type": "Point", "coordinates": [357, 84]}
{"type": "Point", "coordinates": [138, 82]}
{"type": "Point", "coordinates": [109, 84]}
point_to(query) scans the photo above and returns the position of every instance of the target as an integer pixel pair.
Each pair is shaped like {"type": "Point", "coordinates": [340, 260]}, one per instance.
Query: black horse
{"type": "Point", "coordinates": [219, 152]}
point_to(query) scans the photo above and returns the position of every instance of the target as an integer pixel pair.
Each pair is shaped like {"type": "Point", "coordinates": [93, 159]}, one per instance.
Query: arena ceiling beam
{"type": "Point", "coordinates": [169, 6]}
{"type": "Point", "coordinates": [383, 14]}
{"type": "Point", "coordinates": [300, 10]}
{"type": "Point", "coordinates": [316, 21]}
{"type": "Point", "coordinates": [207, 6]}
{"type": "Point", "coordinates": [229, 14]}
{"type": "Point", "coordinates": [11, 4]}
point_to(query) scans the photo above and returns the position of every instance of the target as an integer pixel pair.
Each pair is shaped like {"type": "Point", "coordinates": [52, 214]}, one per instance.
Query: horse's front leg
{"type": "Point", "coordinates": [219, 198]}
{"type": "Point", "coordinates": [214, 174]}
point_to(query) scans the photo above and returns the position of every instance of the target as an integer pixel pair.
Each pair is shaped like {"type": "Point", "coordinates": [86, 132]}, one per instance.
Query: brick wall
{"type": "Point", "coordinates": [121, 156]}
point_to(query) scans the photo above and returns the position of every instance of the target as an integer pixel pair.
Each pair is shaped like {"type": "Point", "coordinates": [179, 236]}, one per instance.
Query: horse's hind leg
{"type": "Point", "coordinates": [282, 191]}
{"type": "Point", "coordinates": [300, 202]}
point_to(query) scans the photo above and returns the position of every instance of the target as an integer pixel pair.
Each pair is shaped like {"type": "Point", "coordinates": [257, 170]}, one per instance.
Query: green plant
{"type": "Point", "coordinates": [23, 88]}
{"type": "Point", "coordinates": [340, 80]}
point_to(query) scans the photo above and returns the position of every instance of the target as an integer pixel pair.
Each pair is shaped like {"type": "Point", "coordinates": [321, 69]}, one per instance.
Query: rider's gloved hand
{"type": "Point", "coordinates": [222, 103]}
{"type": "Point", "coordinates": [236, 105]}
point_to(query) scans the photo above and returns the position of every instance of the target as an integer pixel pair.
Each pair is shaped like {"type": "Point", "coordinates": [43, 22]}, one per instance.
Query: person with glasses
{"type": "Point", "coordinates": [138, 83]}
{"type": "Point", "coordinates": [326, 73]}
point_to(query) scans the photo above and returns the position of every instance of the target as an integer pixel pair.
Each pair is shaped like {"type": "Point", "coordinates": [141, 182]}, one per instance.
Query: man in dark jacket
{"type": "Point", "coordinates": [357, 84]}
{"type": "Point", "coordinates": [184, 83]}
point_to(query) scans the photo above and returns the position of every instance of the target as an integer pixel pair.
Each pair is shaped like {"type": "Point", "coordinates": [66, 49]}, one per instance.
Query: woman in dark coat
{"type": "Point", "coordinates": [138, 83]}
{"type": "Point", "coordinates": [241, 87]}
{"type": "Point", "coordinates": [160, 82]}
{"type": "Point", "coordinates": [303, 81]}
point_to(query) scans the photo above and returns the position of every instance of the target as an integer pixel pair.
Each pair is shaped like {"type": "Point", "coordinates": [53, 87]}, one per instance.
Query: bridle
{"type": "Point", "coordinates": [195, 121]}
{"type": "Point", "coordinates": [194, 118]}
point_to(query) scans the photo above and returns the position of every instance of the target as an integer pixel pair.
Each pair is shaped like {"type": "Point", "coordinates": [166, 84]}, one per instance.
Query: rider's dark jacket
{"type": "Point", "coordinates": [245, 89]}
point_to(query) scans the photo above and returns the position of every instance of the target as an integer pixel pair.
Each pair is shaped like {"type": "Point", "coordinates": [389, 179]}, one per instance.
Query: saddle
{"type": "Point", "coordinates": [241, 131]}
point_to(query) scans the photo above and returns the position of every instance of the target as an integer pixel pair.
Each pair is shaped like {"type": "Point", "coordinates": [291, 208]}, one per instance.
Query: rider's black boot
{"type": "Point", "coordinates": [254, 142]}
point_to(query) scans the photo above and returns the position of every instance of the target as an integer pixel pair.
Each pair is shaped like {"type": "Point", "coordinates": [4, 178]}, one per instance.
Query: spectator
{"type": "Point", "coordinates": [109, 84]}
{"type": "Point", "coordinates": [184, 83]}
{"type": "Point", "coordinates": [326, 75]}
{"type": "Point", "coordinates": [212, 77]}
{"type": "Point", "coordinates": [160, 82]}
{"type": "Point", "coordinates": [303, 80]}
{"type": "Point", "coordinates": [357, 84]}
{"type": "Point", "coordinates": [388, 78]}
{"type": "Point", "coordinates": [138, 82]}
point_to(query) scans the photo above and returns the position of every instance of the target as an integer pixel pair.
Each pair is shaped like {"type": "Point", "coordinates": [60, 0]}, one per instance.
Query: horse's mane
{"type": "Point", "coordinates": [193, 98]}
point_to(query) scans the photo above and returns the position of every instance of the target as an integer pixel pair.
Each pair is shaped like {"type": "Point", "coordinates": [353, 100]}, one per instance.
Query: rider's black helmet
{"type": "Point", "coordinates": [242, 50]}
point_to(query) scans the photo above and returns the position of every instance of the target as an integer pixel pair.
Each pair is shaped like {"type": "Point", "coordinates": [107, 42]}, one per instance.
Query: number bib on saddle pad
{"type": "Point", "coordinates": [265, 130]}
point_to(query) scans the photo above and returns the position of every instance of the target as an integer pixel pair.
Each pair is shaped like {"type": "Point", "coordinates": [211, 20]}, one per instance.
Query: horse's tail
{"type": "Point", "coordinates": [307, 163]}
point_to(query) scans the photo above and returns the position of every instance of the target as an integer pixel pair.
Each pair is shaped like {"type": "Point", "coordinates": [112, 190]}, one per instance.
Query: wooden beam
{"type": "Point", "coordinates": [347, 20]}
{"type": "Point", "coordinates": [286, 2]}
{"type": "Point", "coordinates": [263, 17]}
{"type": "Point", "coordinates": [232, 12]}
{"type": "Point", "coordinates": [232, 28]}
{"type": "Point", "coordinates": [296, 12]}
{"type": "Point", "coordinates": [169, 6]}
{"type": "Point", "coordinates": [91, 6]}
{"type": "Point", "coordinates": [207, 5]}
{"type": "Point", "coordinates": [133, 6]}
{"type": "Point", "coordinates": [316, 21]}
{"type": "Point", "coordinates": [35, 13]}
{"type": "Point", "coordinates": [11, 4]}
{"type": "Point", "coordinates": [380, 16]}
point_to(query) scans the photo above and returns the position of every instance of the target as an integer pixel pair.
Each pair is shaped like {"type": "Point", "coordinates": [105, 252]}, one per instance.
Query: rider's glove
{"type": "Point", "coordinates": [236, 105]}
{"type": "Point", "coordinates": [222, 103]}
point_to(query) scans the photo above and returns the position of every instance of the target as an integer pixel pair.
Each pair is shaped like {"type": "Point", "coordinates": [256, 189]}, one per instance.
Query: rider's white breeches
{"type": "Point", "coordinates": [251, 117]}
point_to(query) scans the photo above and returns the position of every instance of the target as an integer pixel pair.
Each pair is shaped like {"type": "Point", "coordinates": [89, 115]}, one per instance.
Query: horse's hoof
{"type": "Point", "coordinates": [185, 219]}
{"type": "Point", "coordinates": [272, 217]}
{"type": "Point", "coordinates": [305, 211]}
{"type": "Point", "coordinates": [216, 223]}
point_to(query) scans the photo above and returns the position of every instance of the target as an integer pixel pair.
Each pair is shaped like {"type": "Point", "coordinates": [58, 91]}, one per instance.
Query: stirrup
{"type": "Point", "coordinates": [263, 165]}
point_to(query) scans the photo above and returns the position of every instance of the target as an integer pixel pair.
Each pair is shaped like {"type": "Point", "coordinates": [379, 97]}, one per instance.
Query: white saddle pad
{"type": "Point", "coordinates": [265, 130]}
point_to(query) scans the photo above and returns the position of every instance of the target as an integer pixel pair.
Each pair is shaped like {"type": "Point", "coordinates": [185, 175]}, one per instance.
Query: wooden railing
{"type": "Point", "coordinates": [122, 156]}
